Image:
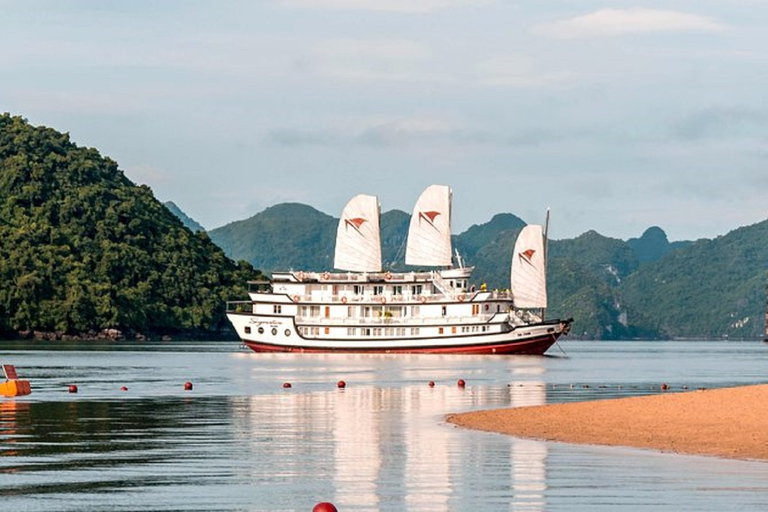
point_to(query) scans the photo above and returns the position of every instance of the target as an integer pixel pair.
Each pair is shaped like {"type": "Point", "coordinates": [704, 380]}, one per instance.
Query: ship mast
{"type": "Point", "coordinates": [546, 252]}
{"type": "Point", "coordinates": [765, 334]}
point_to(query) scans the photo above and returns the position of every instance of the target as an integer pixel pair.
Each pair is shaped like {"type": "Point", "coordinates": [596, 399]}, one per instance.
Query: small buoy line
{"type": "Point", "coordinates": [461, 384]}
{"type": "Point", "coordinates": [19, 388]}
{"type": "Point", "coordinates": [341, 384]}
{"type": "Point", "coordinates": [72, 388]}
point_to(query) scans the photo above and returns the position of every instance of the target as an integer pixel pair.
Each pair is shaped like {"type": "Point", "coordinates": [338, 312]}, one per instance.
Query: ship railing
{"type": "Point", "coordinates": [393, 321]}
{"type": "Point", "coordinates": [442, 284]}
{"type": "Point", "coordinates": [240, 306]}
{"type": "Point", "coordinates": [384, 299]}
{"type": "Point", "coordinates": [366, 276]}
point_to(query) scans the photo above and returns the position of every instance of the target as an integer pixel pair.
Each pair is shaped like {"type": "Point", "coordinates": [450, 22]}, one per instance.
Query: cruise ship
{"type": "Point", "coordinates": [361, 307]}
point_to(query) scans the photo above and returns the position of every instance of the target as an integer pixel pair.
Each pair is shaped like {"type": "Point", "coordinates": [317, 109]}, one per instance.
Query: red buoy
{"type": "Point", "coordinates": [664, 387]}
{"type": "Point", "coordinates": [324, 506]}
{"type": "Point", "coordinates": [187, 386]}
{"type": "Point", "coordinates": [461, 383]}
{"type": "Point", "coordinates": [123, 388]}
{"type": "Point", "coordinates": [286, 384]}
{"type": "Point", "coordinates": [72, 388]}
{"type": "Point", "coordinates": [341, 384]}
{"type": "Point", "coordinates": [431, 383]}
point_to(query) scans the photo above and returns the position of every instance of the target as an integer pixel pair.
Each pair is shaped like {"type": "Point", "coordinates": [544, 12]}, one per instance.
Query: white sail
{"type": "Point", "coordinates": [429, 235]}
{"type": "Point", "coordinates": [358, 242]}
{"type": "Point", "coordinates": [529, 277]}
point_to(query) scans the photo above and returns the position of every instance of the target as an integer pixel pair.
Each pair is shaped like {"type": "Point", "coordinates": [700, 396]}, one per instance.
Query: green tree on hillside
{"type": "Point", "coordinates": [82, 248]}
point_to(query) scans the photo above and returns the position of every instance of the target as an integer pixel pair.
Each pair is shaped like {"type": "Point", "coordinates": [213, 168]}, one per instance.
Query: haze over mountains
{"type": "Point", "coordinates": [82, 249]}
{"type": "Point", "coordinates": [645, 287]}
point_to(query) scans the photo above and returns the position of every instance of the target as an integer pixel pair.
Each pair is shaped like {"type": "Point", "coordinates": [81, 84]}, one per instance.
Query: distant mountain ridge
{"type": "Point", "coordinates": [644, 287]}
{"type": "Point", "coordinates": [185, 219]}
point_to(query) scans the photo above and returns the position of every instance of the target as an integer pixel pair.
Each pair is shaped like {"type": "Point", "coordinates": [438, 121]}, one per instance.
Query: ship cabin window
{"type": "Point", "coordinates": [498, 308]}
{"type": "Point", "coordinates": [396, 311]}
{"type": "Point", "coordinates": [451, 283]}
{"type": "Point", "coordinates": [397, 290]}
{"type": "Point", "coordinates": [314, 311]}
{"type": "Point", "coordinates": [247, 330]}
{"type": "Point", "coordinates": [378, 289]}
{"type": "Point", "coordinates": [416, 289]}
{"type": "Point", "coordinates": [351, 331]}
{"type": "Point", "coordinates": [440, 330]}
{"type": "Point", "coordinates": [367, 311]}
{"type": "Point", "coordinates": [366, 331]}
{"type": "Point", "coordinates": [358, 290]}
{"type": "Point", "coordinates": [351, 311]}
{"type": "Point", "coordinates": [414, 331]}
{"type": "Point", "coordinates": [277, 309]}
{"type": "Point", "coordinates": [445, 310]}
{"type": "Point", "coordinates": [415, 311]}
{"type": "Point", "coordinates": [475, 309]}
{"type": "Point", "coordinates": [378, 312]}
{"type": "Point", "coordinates": [261, 330]}
{"type": "Point", "coordinates": [389, 331]}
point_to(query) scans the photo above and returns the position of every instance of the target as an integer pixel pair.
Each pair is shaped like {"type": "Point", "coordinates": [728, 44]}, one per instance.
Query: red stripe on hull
{"type": "Point", "coordinates": [534, 346]}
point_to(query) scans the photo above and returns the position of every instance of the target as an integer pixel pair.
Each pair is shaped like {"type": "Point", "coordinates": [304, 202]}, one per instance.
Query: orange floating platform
{"type": "Point", "coordinates": [13, 386]}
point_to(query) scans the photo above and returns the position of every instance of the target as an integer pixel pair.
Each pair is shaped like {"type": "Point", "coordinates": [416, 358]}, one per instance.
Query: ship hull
{"type": "Point", "coordinates": [533, 346]}
{"type": "Point", "coordinates": [282, 335]}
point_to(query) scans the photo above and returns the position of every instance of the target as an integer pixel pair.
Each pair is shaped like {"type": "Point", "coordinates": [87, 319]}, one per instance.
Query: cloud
{"type": "Point", "coordinates": [420, 131]}
{"type": "Point", "coordinates": [721, 121]}
{"type": "Point", "coordinates": [398, 6]}
{"type": "Point", "coordinates": [619, 22]}
{"type": "Point", "coordinates": [409, 131]}
{"type": "Point", "coordinates": [394, 60]}
{"type": "Point", "coordinates": [425, 131]}
{"type": "Point", "coordinates": [515, 71]}
{"type": "Point", "coordinates": [293, 137]}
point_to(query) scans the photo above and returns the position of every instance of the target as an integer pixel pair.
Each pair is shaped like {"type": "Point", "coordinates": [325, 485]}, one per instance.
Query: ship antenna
{"type": "Point", "coordinates": [546, 238]}
{"type": "Point", "coordinates": [546, 253]}
{"type": "Point", "coordinates": [458, 258]}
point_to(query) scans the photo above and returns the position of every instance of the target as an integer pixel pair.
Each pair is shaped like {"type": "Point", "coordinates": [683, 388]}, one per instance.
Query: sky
{"type": "Point", "coordinates": [617, 115]}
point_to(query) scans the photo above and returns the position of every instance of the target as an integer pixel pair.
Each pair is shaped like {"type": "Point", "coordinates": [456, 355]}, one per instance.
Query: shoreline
{"type": "Point", "coordinates": [725, 422]}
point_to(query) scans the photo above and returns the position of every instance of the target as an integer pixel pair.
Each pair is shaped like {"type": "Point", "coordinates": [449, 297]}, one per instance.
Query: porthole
{"type": "Point", "coordinates": [274, 331]}
{"type": "Point", "coordinates": [247, 330]}
{"type": "Point", "coordinates": [261, 330]}
{"type": "Point", "coordinates": [287, 332]}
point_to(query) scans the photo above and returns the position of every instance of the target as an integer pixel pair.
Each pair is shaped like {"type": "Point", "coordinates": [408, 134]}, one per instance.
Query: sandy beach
{"type": "Point", "coordinates": [730, 422]}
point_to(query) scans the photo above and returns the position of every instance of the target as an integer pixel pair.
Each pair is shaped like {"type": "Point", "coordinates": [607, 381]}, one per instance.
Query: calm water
{"type": "Point", "coordinates": [240, 441]}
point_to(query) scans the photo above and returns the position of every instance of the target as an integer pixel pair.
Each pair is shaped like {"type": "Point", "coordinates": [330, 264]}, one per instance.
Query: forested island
{"type": "Point", "coordinates": [86, 253]}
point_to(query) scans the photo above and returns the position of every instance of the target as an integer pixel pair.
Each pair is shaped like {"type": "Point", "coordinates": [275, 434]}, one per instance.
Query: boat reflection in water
{"type": "Point", "coordinates": [366, 443]}
{"type": "Point", "coordinates": [529, 457]}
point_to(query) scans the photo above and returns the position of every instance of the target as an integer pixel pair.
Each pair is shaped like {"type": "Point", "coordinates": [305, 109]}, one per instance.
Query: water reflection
{"type": "Point", "coordinates": [241, 442]}
{"type": "Point", "coordinates": [366, 442]}
{"type": "Point", "coordinates": [528, 457]}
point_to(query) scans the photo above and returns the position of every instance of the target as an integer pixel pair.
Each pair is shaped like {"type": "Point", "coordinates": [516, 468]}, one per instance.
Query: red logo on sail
{"type": "Point", "coordinates": [429, 217]}
{"type": "Point", "coordinates": [527, 256]}
{"type": "Point", "coordinates": [355, 223]}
